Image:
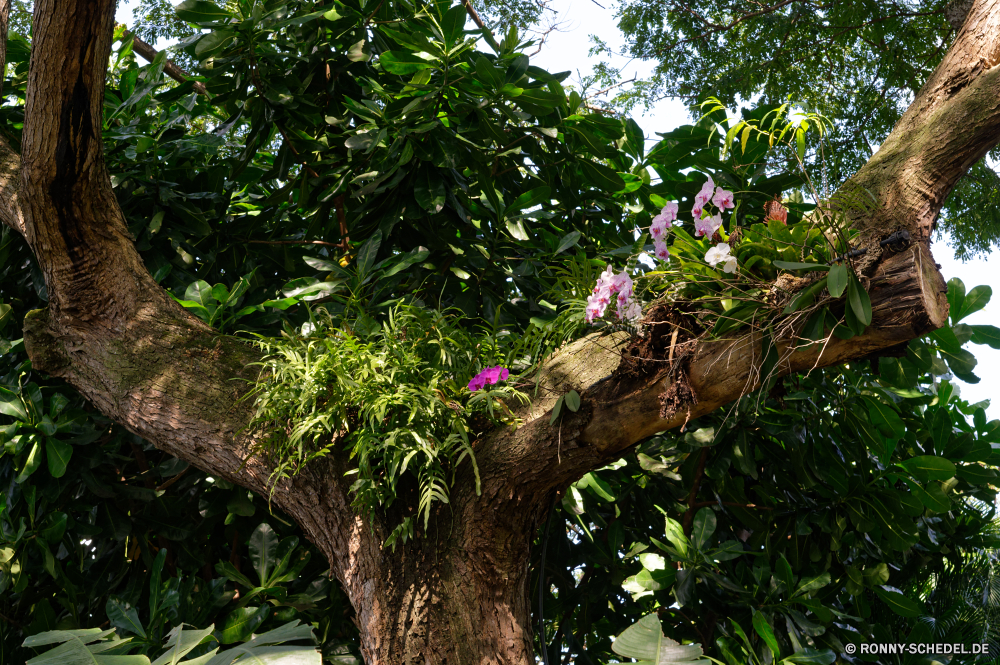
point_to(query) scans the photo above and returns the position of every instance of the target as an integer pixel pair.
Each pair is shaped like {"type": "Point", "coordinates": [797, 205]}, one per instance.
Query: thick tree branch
{"type": "Point", "coordinates": [169, 68]}
{"type": "Point", "coordinates": [908, 298]}
{"type": "Point", "coordinates": [4, 18]}
{"type": "Point", "coordinates": [951, 124]}
{"type": "Point", "coordinates": [10, 161]}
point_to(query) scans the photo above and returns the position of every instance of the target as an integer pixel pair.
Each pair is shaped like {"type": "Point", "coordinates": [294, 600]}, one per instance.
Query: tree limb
{"type": "Point", "coordinates": [10, 162]}
{"type": "Point", "coordinates": [169, 68]}
{"type": "Point", "coordinates": [4, 18]}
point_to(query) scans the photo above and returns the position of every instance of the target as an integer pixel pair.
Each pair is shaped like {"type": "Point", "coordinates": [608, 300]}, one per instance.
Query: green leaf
{"type": "Point", "coordinates": [429, 191]}
{"type": "Point", "coordinates": [899, 603]}
{"type": "Point", "coordinates": [487, 73]}
{"type": "Point", "coordinates": [181, 642]}
{"type": "Point", "coordinates": [810, 584]}
{"type": "Point", "coordinates": [645, 642]}
{"type": "Point", "coordinates": [240, 623]}
{"type": "Point", "coordinates": [974, 301]}
{"type": "Point", "coordinates": [557, 409]}
{"type": "Point", "coordinates": [200, 292]}
{"type": "Point", "coordinates": [529, 199]}
{"type": "Point", "coordinates": [601, 177]}
{"type": "Point", "coordinates": [885, 418]}
{"type": "Point", "coordinates": [568, 241]}
{"type": "Point", "coordinates": [229, 571]}
{"type": "Point", "coordinates": [790, 265]}
{"type": "Point", "coordinates": [976, 475]}
{"type": "Point", "coordinates": [859, 301]}
{"type": "Point", "coordinates": [213, 43]}
{"type": "Point", "coordinates": [263, 544]}
{"type": "Point", "coordinates": [961, 363]}
{"type": "Point", "coordinates": [200, 11]}
{"type": "Point", "coordinates": [929, 467]}
{"type": "Point", "coordinates": [763, 628]}
{"type": "Point", "coordinates": [32, 463]}
{"type": "Point", "coordinates": [984, 334]}
{"type": "Point", "coordinates": [674, 532]}
{"type": "Point", "coordinates": [366, 255]}
{"type": "Point", "coordinates": [54, 527]}
{"type": "Point", "coordinates": [516, 229]}
{"type": "Point", "coordinates": [57, 453]}
{"type": "Point", "coordinates": [75, 650]}
{"type": "Point", "coordinates": [453, 24]}
{"type": "Point", "coordinates": [703, 527]}
{"type": "Point", "coordinates": [414, 256]}
{"type": "Point", "coordinates": [123, 616]}
{"type": "Point", "coordinates": [837, 281]}
{"type": "Point", "coordinates": [402, 62]}
{"type": "Point", "coordinates": [11, 405]}
{"type": "Point", "coordinates": [573, 401]}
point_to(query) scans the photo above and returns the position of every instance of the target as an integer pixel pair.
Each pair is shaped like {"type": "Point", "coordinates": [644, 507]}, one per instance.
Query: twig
{"type": "Point", "coordinates": [174, 479]}
{"type": "Point", "coordinates": [11, 621]}
{"type": "Point", "coordinates": [293, 242]}
{"type": "Point", "coordinates": [610, 88]}
{"type": "Point", "coordinates": [170, 69]}
{"type": "Point", "coordinates": [703, 504]}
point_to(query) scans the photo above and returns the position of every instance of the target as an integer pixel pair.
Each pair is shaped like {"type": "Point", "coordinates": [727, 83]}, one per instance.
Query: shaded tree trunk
{"type": "Point", "coordinates": [458, 593]}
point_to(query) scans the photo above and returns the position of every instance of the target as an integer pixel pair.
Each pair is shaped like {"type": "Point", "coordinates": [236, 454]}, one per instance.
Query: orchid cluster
{"type": "Point", "coordinates": [658, 230]}
{"type": "Point", "coordinates": [608, 285]}
{"type": "Point", "coordinates": [488, 376]}
{"type": "Point", "coordinates": [704, 223]}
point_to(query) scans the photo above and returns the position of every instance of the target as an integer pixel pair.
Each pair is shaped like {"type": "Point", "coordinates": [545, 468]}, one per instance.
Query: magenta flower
{"type": "Point", "coordinates": [488, 376]}
{"type": "Point", "coordinates": [661, 250]}
{"type": "Point", "coordinates": [707, 226]}
{"type": "Point", "coordinates": [723, 199]}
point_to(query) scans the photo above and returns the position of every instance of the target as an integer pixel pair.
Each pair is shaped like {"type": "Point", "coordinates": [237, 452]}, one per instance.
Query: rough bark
{"type": "Point", "coordinates": [458, 593]}
{"type": "Point", "coordinates": [951, 124]}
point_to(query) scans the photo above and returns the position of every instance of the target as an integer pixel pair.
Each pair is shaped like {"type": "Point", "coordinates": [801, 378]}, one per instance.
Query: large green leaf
{"type": "Point", "coordinates": [645, 642]}
{"type": "Point", "coordinates": [929, 467]}
{"type": "Point", "coordinates": [123, 616]}
{"type": "Point", "coordinates": [263, 549]}
{"type": "Point", "coordinates": [899, 603]}
{"type": "Point", "coordinates": [57, 454]}
{"type": "Point", "coordinates": [241, 622]}
{"type": "Point", "coordinates": [403, 62]}
{"type": "Point", "coordinates": [201, 11]}
{"type": "Point", "coordinates": [78, 647]}
{"type": "Point", "coordinates": [703, 527]}
{"type": "Point", "coordinates": [180, 642]}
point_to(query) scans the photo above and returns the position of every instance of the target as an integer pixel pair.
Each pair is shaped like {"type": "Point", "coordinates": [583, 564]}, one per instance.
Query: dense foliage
{"type": "Point", "coordinates": [858, 63]}
{"type": "Point", "coordinates": [362, 175]}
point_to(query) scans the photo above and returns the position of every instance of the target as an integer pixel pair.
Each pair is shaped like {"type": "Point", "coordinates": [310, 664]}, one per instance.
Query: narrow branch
{"type": "Point", "coordinates": [734, 504]}
{"type": "Point", "coordinates": [482, 26]}
{"type": "Point", "coordinates": [293, 242]}
{"type": "Point", "coordinates": [165, 485]}
{"type": "Point", "coordinates": [170, 69]}
{"type": "Point", "coordinates": [610, 88]}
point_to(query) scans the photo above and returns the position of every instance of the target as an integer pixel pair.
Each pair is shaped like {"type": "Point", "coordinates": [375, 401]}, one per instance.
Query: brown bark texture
{"type": "Point", "coordinates": [457, 594]}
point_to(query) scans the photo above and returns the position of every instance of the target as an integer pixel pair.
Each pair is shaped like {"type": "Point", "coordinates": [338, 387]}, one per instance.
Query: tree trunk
{"type": "Point", "coordinates": [458, 593]}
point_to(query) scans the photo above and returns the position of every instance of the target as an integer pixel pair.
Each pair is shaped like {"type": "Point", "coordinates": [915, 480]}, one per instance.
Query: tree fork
{"type": "Point", "coordinates": [458, 593]}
